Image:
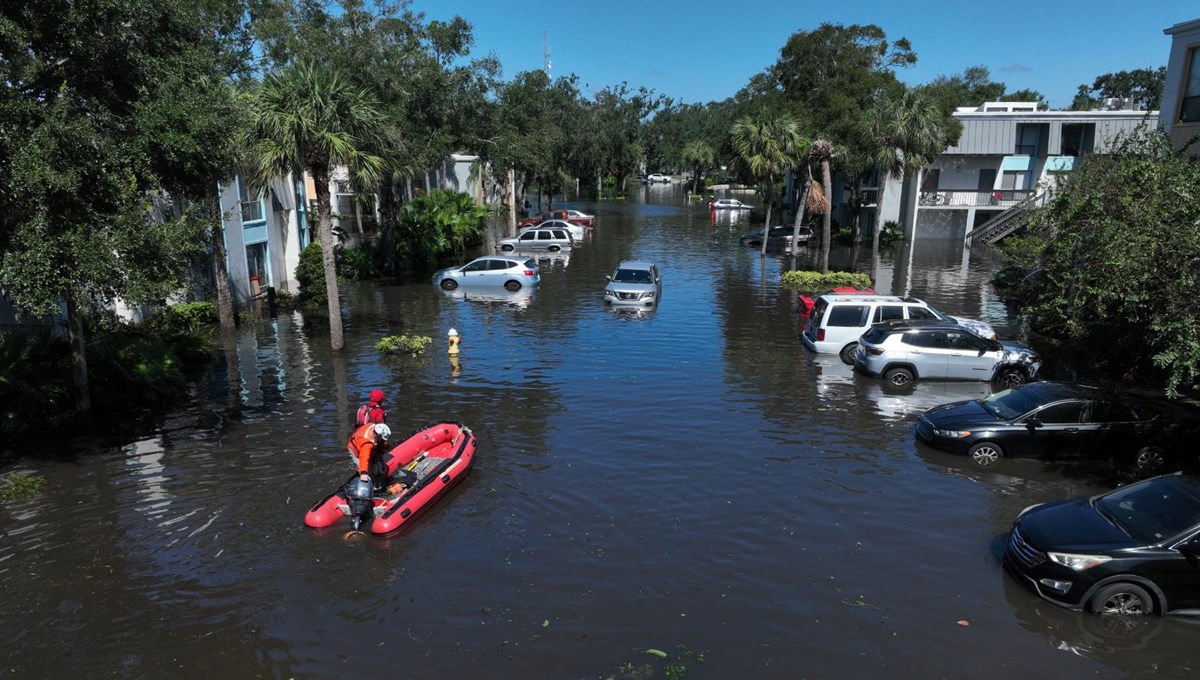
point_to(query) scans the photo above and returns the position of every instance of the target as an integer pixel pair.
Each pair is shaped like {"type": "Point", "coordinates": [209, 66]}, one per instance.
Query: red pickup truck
{"type": "Point", "coordinates": [555, 215]}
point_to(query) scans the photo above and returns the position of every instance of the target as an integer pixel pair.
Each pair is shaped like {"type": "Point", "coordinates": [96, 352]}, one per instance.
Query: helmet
{"type": "Point", "coordinates": [382, 431]}
{"type": "Point", "coordinates": [376, 396]}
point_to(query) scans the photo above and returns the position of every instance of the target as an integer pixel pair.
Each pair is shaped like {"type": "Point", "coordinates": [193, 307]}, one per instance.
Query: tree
{"type": "Point", "coordinates": [1144, 86]}
{"type": "Point", "coordinates": [822, 153]}
{"type": "Point", "coordinates": [106, 107]}
{"type": "Point", "coordinates": [312, 118]}
{"type": "Point", "coordinates": [699, 156]}
{"type": "Point", "coordinates": [767, 146]}
{"type": "Point", "coordinates": [1118, 252]}
{"type": "Point", "coordinates": [974, 87]}
{"type": "Point", "coordinates": [908, 131]}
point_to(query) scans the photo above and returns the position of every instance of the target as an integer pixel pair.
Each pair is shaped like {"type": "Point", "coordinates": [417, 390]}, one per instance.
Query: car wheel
{"type": "Point", "coordinates": [1123, 598]}
{"type": "Point", "coordinates": [847, 353]}
{"type": "Point", "coordinates": [506, 248]}
{"type": "Point", "coordinates": [1149, 459]}
{"type": "Point", "coordinates": [898, 377]}
{"type": "Point", "coordinates": [984, 454]}
{"type": "Point", "coordinates": [449, 284]}
{"type": "Point", "coordinates": [1010, 377]}
{"type": "Point", "coordinates": [513, 286]}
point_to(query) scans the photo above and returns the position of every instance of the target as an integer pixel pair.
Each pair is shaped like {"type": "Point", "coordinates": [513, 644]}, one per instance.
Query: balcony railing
{"type": "Point", "coordinates": [957, 198]}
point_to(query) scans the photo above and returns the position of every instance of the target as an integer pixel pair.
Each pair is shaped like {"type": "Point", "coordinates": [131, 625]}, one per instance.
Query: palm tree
{"type": "Point", "coordinates": [908, 131]}
{"type": "Point", "coordinates": [699, 155]}
{"type": "Point", "coordinates": [312, 118]}
{"type": "Point", "coordinates": [768, 146]}
{"type": "Point", "coordinates": [822, 152]}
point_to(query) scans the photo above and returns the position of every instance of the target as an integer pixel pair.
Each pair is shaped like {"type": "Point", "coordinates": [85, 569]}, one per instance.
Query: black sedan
{"type": "Point", "coordinates": [1060, 420]}
{"type": "Point", "coordinates": [1134, 551]}
{"type": "Point", "coordinates": [776, 237]}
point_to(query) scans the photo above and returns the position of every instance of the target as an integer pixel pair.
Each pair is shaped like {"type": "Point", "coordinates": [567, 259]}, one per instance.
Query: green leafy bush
{"type": "Point", "coordinates": [403, 344]}
{"type": "Point", "coordinates": [893, 232]}
{"type": "Point", "coordinates": [439, 223]}
{"type": "Point", "coordinates": [359, 263]}
{"type": "Point", "coordinates": [310, 275]}
{"type": "Point", "coordinates": [132, 369]}
{"type": "Point", "coordinates": [35, 379]}
{"type": "Point", "coordinates": [810, 281]}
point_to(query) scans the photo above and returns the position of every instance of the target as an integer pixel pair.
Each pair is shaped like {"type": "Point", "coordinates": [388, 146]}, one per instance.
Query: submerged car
{"type": "Point", "coordinates": [729, 204]}
{"type": "Point", "coordinates": [1135, 550]}
{"type": "Point", "coordinates": [1061, 420]}
{"type": "Point", "coordinates": [658, 178]}
{"type": "Point", "coordinates": [634, 282]}
{"type": "Point", "coordinates": [903, 351]}
{"type": "Point", "coordinates": [577, 232]}
{"type": "Point", "coordinates": [552, 240]}
{"type": "Point", "coordinates": [494, 271]}
{"type": "Point", "coordinates": [776, 236]}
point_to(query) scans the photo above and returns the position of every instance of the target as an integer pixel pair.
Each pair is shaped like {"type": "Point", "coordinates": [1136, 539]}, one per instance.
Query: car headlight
{"type": "Point", "coordinates": [1077, 562]}
{"type": "Point", "coordinates": [648, 295]}
{"type": "Point", "coordinates": [953, 434]}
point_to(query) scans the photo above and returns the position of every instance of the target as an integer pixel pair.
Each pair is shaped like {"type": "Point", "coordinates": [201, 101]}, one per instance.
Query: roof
{"type": "Point", "coordinates": [635, 264]}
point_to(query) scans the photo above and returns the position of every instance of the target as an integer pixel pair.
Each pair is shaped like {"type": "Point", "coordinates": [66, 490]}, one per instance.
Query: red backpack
{"type": "Point", "coordinates": [363, 416]}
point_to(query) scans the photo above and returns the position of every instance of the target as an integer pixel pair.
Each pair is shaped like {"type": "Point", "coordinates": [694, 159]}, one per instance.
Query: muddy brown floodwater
{"type": "Point", "coordinates": [688, 480]}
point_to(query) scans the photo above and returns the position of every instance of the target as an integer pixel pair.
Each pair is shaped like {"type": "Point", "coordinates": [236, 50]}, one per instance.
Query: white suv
{"type": "Point", "coordinates": [837, 321]}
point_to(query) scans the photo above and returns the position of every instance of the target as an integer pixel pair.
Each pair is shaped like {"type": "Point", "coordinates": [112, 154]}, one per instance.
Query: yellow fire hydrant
{"type": "Point", "coordinates": [452, 337]}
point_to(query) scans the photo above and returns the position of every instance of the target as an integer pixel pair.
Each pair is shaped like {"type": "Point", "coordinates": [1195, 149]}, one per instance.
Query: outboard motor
{"type": "Point", "coordinates": [359, 493]}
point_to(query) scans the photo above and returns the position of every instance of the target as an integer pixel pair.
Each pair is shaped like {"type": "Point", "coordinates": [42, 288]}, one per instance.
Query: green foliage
{"type": "Point", "coordinates": [813, 281]}
{"type": "Point", "coordinates": [974, 87]}
{"type": "Point", "coordinates": [439, 223]}
{"type": "Point", "coordinates": [1144, 86]}
{"type": "Point", "coordinates": [403, 344]}
{"type": "Point", "coordinates": [35, 379]}
{"type": "Point", "coordinates": [192, 316]}
{"type": "Point", "coordinates": [18, 485]}
{"type": "Point", "coordinates": [359, 263]}
{"type": "Point", "coordinates": [891, 234]}
{"type": "Point", "coordinates": [133, 370]}
{"type": "Point", "coordinates": [310, 276]}
{"type": "Point", "coordinates": [1119, 245]}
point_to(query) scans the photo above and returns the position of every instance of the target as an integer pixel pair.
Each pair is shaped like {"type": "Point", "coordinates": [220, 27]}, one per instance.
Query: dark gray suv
{"type": "Point", "coordinates": [902, 351]}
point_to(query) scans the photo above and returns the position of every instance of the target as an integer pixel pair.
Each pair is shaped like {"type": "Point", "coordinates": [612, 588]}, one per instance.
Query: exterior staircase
{"type": "Point", "coordinates": [1006, 222]}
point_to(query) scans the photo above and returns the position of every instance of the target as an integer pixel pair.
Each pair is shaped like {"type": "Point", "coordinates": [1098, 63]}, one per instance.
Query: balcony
{"type": "Point", "coordinates": [959, 198]}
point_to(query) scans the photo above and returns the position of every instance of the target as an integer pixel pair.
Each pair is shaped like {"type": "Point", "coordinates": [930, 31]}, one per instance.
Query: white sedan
{"type": "Point", "coordinates": [729, 204]}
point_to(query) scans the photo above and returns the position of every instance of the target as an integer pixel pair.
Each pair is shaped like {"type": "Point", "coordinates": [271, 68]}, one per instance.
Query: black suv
{"type": "Point", "coordinates": [1135, 550]}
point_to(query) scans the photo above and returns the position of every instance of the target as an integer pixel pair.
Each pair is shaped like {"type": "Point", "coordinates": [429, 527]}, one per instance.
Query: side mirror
{"type": "Point", "coordinates": [608, 277]}
{"type": "Point", "coordinates": [1033, 423]}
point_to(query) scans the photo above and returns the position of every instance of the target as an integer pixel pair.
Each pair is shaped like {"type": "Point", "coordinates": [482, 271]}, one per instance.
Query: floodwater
{"type": "Point", "coordinates": [687, 482]}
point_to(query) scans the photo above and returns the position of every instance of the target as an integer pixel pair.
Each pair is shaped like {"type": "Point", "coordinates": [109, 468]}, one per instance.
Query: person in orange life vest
{"type": "Point", "coordinates": [372, 411]}
{"type": "Point", "coordinates": [367, 446]}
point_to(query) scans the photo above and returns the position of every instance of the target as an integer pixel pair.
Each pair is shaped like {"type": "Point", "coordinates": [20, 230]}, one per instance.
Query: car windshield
{"type": "Point", "coordinates": [1010, 403]}
{"type": "Point", "coordinates": [632, 276]}
{"type": "Point", "coordinates": [1154, 511]}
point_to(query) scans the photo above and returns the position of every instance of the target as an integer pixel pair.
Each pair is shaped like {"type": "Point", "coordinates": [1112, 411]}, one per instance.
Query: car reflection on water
{"type": "Point", "coordinates": [520, 299]}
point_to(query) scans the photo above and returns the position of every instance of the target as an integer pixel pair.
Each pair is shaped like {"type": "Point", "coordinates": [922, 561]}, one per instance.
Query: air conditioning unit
{"type": "Point", "coordinates": [1117, 103]}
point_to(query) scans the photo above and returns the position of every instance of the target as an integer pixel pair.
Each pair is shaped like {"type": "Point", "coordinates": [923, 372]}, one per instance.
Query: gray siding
{"type": "Point", "coordinates": [988, 137]}
{"type": "Point", "coordinates": [1107, 131]}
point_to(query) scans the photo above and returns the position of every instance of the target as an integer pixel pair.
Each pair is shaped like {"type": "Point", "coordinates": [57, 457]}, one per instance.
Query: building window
{"type": "Point", "coordinates": [1029, 139]}
{"type": "Point", "coordinates": [1189, 112]}
{"type": "Point", "coordinates": [1077, 138]}
{"type": "Point", "coordinates": [252, 209]}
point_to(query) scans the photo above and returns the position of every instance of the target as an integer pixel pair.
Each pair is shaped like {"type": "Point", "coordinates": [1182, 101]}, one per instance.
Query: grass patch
{"type": "Point", "coordinates": [810, 281]}
{"type": "Point", "coordinates": [414, 345]}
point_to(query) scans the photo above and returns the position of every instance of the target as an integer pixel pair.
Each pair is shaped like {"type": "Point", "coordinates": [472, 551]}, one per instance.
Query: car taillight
{"type": "Point", "coordinates": [820, 335]}
{"type": "Point", "coordinates": [875, 351]}
{"type": "Point", "coordinates": [528, 272]}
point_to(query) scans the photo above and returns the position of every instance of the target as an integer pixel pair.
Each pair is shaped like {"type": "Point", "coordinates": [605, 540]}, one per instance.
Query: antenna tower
{"type": "Point", "coordinates": [546, 50]}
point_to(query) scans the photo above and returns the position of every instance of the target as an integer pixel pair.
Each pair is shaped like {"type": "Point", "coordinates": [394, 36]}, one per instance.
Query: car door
{"type": "Point", "coordinates": [475, 274]}
{"type": "Point", "coordinates": [1177, 573]}
{"type": "Point", "coordinates": [528, 240]}
{"type": "Point", "coordinates": [968, 358]}
{"type": "Point", "coordinates": [887, 313]}
{"type": "Point", "coordinates": [498, 272]}
{"type": "Point", "coordinates": [927, 352]}
{"type": "Point", "coordinates": [1112, 428]}
{"type": "Point", "coordinates": [1052, 431]}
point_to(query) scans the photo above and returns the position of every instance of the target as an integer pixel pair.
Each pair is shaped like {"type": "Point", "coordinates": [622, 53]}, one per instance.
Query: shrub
{"type": "Point", "coordinates": [358, 263]}
{"type": "Point", "coordinates": [310, 275]}
{"type": "Point", "coordinates": [35, 379]}
{"type": "Point", "coordinates": [403, 344]}
{"type": "Point", "coordinates": [810, 281]}
{"type": "Point", "coordinates": [130, 369]}
{"type": "Point", "coordinates": [892, 233]}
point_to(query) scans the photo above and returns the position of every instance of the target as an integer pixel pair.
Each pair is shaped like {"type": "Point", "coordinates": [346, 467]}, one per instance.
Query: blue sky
{"type": "Point", "coordinates": [704, 50]}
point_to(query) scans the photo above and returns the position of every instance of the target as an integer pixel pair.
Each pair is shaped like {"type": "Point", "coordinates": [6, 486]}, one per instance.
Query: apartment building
{"type": "Point", "coordinates": [1181, 92]}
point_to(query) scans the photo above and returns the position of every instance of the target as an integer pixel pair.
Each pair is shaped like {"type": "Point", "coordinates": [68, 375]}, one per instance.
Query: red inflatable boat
{"type": "Point", "coordinates": [429, 462]}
